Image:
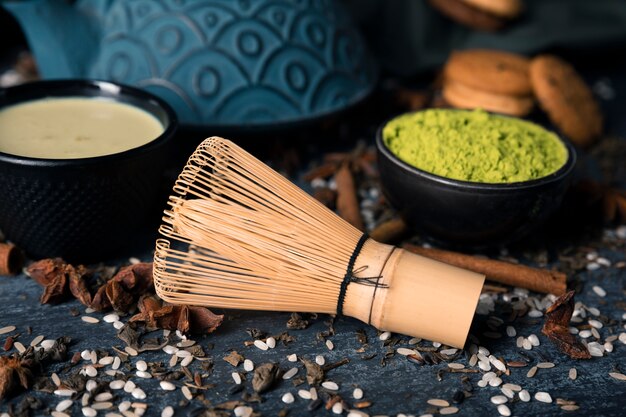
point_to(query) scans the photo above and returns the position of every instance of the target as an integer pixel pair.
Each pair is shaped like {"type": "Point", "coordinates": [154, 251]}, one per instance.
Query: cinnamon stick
{"type": "Point", "coordinates": [534, 279]}
{"type": "Point", "coordinates": [347, 201]}
{"type": "Point", "coordinates": [11, 259]}
{"type": "Point", "coordinates": [389, 231]}
{"type": "Point", "coordinates": [322, 171]}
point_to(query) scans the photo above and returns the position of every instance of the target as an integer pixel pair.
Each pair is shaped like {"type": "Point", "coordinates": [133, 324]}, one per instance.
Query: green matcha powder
{"type": "Point", "coordinates": [474, 146]}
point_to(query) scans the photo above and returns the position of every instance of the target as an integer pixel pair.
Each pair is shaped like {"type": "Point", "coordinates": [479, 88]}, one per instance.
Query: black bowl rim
{"type": "Point", "coordinates": [556, 176]}
{"type": "Point", "coordinates": [58, 85]}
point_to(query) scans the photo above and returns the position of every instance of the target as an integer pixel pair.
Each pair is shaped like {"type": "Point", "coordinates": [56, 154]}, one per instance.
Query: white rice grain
{"type": "Point", "coordinates": [290, 373]}
{"type": "Point", "coordinates": [600, 292]}
{"type": "Point", "coordinates": [117, 384]}
{"type": "Point", "coordinates": [542, 396]}
{"type": "Point", "coordinates": [261, 344]}
{"type": "Point", "coordinates": [524, 395]}
{"type": "Point", "coordinates": [504, 410]}
{"type": "Point", "coordinates": [287, 398]}
{"type": "Point", "coordinates": [384, 336]}
{"type": "Point", "coordinates": [167, 386]}
{"type": "Point", "coordinates": [330, 385]}
{"type": "Point", "coordinates": [499, 399]}
{"type": "Point", "coordinates": [270, 342]}
{"type": "Point", "coordinates": [236, 377]}
{"type": "Point", "coordinates": [304, 394]}
{"type": "Point", "coordinates": [90, 319]}
{"type": "Point", "coordinates": [64, 405]}
{"type": "Point", "coordinates": [89, 412]}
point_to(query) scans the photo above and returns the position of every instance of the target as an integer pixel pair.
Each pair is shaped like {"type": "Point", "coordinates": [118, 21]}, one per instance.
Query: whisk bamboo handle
{"type": "Point", "coordinates": [240, 235]}
{"type": "Point", "coordinates": [415, 296]}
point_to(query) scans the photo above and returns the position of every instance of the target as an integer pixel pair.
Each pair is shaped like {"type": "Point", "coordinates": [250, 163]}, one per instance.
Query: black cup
{"type": "Point", "coordinates": [469, 214]}
{"type": "Point", "coordinates": [86, 209]}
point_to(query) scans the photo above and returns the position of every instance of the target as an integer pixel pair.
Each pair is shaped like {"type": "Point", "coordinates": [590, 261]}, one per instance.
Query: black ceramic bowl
{"type": "Point", "coordinates": [86, 209]}
{"type": "Point", "coordinates": [469, 214]}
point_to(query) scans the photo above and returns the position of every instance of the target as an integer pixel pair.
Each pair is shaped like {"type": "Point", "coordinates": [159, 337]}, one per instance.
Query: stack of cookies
{"type": "Point", "coordinates": [486, 15]}
{"type": "Point", "coordinates": [507, 83]}
{"type": "Point", "coordinates": [491, 80]}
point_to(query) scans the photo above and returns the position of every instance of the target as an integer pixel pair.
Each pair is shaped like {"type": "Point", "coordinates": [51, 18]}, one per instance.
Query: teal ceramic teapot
{"type": "Point", "coordinates": [219, 63]}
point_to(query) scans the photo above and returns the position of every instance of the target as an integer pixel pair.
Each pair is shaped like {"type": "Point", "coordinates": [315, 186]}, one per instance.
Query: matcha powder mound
{"type": "Point", "coordinates": [474, 146]}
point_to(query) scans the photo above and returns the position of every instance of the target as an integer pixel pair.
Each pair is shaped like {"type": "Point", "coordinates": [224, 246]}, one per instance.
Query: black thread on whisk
{"type": "Point", "coordinates": [349, 273]}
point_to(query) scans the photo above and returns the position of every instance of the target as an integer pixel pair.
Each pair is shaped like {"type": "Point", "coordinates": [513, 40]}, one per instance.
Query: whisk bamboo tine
{"type": "Point", "coordinates": [239, 235]}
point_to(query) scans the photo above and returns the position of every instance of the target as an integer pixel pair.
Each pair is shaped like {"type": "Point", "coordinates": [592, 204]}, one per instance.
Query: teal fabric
{"type": "Point", "coordinates": [409, 37]}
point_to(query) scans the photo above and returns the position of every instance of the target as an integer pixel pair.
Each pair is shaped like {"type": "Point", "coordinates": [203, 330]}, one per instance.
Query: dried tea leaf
{"type": "Point", "coordinates": [129, 335]}
{"type": "Point", "coordinates": [296, 322]}
{"type": "Point", "coordinates": [314, 372]}
{"type": "Point", "coordinates": [207, 365]}
{"type": "Point", "coordinates": [264, 377]}
{"type": "Point", "coordinates": [252, 398]}
{"type": "Point", "coordinates": [233, 358]}
{"type": "Point", "coordinates": [361, 336]}
{"type": "Point", "coordinates": [76, 382]}
{"type": "Point", "coordinates": [44, 384]}
{"type": "Point", "coordinates": [58, 351]}
{"type": "Point", "coordinates": [285, 338]}
{"type": "Point", "coordinates": [229, 405]}
{"type": "Point", "coordinates": [256, 333]}
{"type": "Point", "coordinates": [556, 327]}
{"type": "Point", "coordinates": [331, 366]}
{"type": "Point", "coordinates": [24, 407]}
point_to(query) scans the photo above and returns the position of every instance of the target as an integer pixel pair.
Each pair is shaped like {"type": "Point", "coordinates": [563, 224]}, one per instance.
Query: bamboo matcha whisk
{"type": "Point", "coordinates": [239, 235]}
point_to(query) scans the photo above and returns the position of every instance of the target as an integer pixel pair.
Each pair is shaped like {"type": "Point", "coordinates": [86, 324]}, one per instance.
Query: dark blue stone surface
{"type": "Point", "coordinates": [398, 387]}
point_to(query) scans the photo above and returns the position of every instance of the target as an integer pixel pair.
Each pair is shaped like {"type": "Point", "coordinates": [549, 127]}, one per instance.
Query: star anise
{"type": "Point", "coordinates": [14, 373]}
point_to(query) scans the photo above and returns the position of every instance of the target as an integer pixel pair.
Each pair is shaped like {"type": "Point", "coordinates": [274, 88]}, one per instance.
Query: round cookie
{"type": "Point", "coordinates": [507, 9]}
{"type": "Point", "coordinates": [465, 97]}
{"type": "Point", "coordinates": [466, 15]}
{"type": "Point", "coordinates": [567, 99]}
{"type": "Point", "coordinates": [489, 70]}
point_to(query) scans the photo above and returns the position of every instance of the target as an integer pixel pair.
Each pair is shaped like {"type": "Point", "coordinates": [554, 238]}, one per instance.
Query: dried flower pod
{"type": "Point", "coordinates": [78, 286]}
{"type": "Point", "coordinates": [556, 327]}
{"type": "Point", "coordinates": [176, 317]}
